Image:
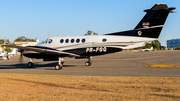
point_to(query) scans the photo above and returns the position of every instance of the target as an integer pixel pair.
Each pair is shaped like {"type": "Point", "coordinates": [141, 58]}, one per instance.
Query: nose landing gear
{"type": "Point", "coordinates": [60, 65]}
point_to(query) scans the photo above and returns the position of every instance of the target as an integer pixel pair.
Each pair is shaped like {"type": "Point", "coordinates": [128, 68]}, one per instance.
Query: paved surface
{"type": "Point", "coordinates": [118, 64]}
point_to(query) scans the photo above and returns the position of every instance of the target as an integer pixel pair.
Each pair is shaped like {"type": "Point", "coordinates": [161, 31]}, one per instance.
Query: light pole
{"type": "Point", "coordinates": [5, 40]}
{"type": "Point", "coordinates": [166, 42]}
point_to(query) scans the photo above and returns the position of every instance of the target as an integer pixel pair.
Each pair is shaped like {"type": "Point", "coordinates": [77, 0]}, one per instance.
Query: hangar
{"type": "Point", "coordinates": [173, 43]}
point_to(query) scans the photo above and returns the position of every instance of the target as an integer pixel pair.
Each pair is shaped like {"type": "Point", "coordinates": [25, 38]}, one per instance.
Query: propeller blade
{"type": "Point", "coordinates": [21, 57]}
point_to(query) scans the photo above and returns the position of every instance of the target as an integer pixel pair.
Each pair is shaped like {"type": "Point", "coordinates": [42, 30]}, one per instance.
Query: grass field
{"type": "Point", "coordinates": [87, 88]}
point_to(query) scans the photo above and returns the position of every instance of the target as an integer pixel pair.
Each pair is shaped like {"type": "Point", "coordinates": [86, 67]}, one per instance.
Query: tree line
{"type": "Point", "coordinates": [3, 41]}
{"type": "Point", "coordinates": [18, 39]}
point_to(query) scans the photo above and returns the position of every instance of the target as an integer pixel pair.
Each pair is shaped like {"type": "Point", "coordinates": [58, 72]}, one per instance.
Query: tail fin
{"type": "Point", "coordinates": [151, 24]}
{"type": "Point", "coordinates": [14, 51]}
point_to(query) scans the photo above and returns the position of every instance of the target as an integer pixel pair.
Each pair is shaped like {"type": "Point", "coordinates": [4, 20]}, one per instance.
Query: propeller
{"type": "Point", "coordinates": [21, 56]}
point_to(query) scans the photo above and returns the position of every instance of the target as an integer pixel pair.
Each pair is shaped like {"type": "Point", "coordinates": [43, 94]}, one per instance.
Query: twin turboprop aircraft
{"type": "Point", "coordinates": [55, 48]}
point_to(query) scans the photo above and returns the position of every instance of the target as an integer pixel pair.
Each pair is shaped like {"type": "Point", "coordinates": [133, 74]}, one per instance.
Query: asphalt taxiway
{"type": "Point", "coordinates": [154, 64]}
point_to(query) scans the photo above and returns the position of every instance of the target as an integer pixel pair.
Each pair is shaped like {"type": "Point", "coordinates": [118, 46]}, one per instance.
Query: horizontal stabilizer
{"type": "Point", "coordinates": [160, 6]}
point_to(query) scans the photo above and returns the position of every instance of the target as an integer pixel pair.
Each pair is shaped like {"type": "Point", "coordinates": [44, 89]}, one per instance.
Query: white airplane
{"type": "Point", "coordinates": [146, 49]}
{"type": "Point", "coordinates": [55, 48]}
{"type": "Point", "coordinates": [4, 54]}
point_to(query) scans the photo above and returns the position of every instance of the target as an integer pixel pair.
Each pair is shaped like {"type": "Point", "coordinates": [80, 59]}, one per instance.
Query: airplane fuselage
{"type": "Point", "coordinates": [84, 46]}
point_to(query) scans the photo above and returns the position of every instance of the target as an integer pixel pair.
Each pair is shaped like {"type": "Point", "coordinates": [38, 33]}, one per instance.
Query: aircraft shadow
{"type": "Point", "coordinates": [24, 66]}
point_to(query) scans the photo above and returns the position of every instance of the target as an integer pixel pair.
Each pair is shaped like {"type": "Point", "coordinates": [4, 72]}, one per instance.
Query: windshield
{"type": "Point", "coordinates": [45, 41]}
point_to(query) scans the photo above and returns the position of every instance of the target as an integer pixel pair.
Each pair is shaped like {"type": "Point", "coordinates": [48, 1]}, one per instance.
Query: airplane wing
{"type": "Point", "coordinates": [45, 50]}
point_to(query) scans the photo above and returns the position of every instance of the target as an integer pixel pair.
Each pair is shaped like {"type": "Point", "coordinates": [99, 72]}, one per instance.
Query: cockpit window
{"type": "Point", "coordinates": [45, 41]}
{"type": "Point", "coordinates": [50, 41]}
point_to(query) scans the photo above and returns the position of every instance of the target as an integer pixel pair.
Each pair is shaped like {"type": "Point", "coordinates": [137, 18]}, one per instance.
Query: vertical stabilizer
{"type": "Point", "coordinates": [151, 24]}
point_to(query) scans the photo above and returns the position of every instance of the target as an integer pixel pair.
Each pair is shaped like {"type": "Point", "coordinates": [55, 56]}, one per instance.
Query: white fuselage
{"type": "Point", "coordinates": [123, 42]}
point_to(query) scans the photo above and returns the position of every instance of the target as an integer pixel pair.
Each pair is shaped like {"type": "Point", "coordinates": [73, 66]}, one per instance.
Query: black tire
{"type": "Point", "coordinates": [30, 64]}
{"type": "Point", "coordinates": [58, 67]}
{"type": "Point", "coordinates": [88, 63]}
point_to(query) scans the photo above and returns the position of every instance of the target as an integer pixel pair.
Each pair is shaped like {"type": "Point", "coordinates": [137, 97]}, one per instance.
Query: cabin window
{"type": "Point", "coordinates": [104, 40]}
{"type": "Point", "coordinates": [77, 40]}
{"type": "Point", "coordinates": [72, 40]}
{"type": "Point", "coordinates": [67, 40]}
{"type": "Point", "coordinates": [83, 40]}
{"type": "Point", "coordinates": [50, 41]}
{"type": "Point", "coordinates": [62, 40]}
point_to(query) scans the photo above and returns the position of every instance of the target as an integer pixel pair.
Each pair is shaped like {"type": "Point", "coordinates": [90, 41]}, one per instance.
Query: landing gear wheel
{"type": "Point", "coordinates": [88, 63]}
{"type": "Point", "coordinates": [30, 64]}
{"type": "Point", "coordinates": [58, 67]}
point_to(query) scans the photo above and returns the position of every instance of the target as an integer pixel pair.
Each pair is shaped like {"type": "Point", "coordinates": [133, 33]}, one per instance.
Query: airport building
{"type": "Point", "coordinates": [173, 43]}
{"type": "Point", "coordinates": [25, 43]}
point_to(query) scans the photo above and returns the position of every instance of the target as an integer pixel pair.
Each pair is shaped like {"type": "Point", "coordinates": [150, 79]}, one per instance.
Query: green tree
{"type": "Point", "coordinates": [7, 41]}
{"type": "Point", "coordinates": [156, 44]}
{"type": "Point", "coordinates": [24, 39]}
{"type": "Point", "coordinates": [6, 48]}
{"type": "Point", "coordinates": [148, 45]}
{"type": "Point", "coordinates": [90, 32]}
{"type": "Point", "coordinates": [1, 41]}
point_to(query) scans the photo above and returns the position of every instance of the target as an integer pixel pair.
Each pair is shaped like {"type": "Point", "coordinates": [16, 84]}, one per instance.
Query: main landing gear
{"type": "Point", "coordinates": [89, 62]}
{"type": "Point", "coordinates": [30, 64]}
{"type": "Point", "coordinates": [57, 67]}
{"type": "Point", "coordinates": [60, 65]}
